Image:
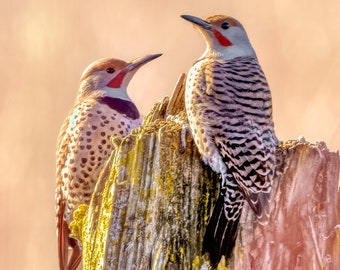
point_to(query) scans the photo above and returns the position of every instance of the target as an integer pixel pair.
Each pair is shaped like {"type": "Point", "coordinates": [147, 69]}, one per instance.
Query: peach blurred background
{"type": "Point", "coordinates": [46, 44]}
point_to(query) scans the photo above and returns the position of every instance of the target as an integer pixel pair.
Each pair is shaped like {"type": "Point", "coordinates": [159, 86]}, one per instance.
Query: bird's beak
{"type": "Point", "coordinates": [137, 63]}
{"type": "Point", "coordinates": [197, 21]}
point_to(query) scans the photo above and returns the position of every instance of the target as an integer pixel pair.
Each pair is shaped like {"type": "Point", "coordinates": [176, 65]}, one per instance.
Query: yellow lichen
{"type": "Point", "coordinates": [222, 264]}
{"type": "Point", "coordinates": [181, 250]}
{"type": "Point", "coordinates": [77, 224]}
{"type": "Point", "coordinates": [196, 263]}
{"type": "Point", "coordinates": [172, 257]}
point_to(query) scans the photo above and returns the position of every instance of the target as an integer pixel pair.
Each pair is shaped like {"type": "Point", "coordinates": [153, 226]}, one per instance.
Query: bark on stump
{"type": "Point", "coordinates": [154, 198]}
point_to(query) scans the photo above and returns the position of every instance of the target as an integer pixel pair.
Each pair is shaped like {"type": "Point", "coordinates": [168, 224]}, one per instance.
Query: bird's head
{"type": "Point", "coordinates": [225, 36]}
{"type": "Point", "coordinates": [110, 77]}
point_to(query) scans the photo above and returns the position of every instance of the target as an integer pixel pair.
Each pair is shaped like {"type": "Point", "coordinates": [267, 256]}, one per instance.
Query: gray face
{"type": "Point", "coordinates": [225, 37]}
{"type": "Point", "coordinates": [110, 76]}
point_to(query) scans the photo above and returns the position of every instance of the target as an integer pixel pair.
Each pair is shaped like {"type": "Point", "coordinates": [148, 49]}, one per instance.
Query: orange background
{"type": "Point", "coordinates": [46, 44]}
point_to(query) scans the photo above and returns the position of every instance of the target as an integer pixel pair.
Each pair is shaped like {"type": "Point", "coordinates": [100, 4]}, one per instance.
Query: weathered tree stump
{"type": "Point", "coordinates": [302, 231]}
{"type": "Point", "coordinates": [154, 198]}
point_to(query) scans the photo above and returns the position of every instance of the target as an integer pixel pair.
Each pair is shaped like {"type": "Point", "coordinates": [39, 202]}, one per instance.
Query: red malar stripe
{"type": "Point", "coordinates": [116, 82]}
{"type": "Point", "coordinates": [221, 39]}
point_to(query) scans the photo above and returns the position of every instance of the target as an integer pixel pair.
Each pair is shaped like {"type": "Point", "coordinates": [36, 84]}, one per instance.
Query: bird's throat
{"type": "Point", "coordinates": [116, 92]}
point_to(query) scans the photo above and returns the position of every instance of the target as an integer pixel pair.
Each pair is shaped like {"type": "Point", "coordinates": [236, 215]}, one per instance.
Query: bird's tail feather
{"type": "Point", "coordinates": [62, 230]}
{"type": "Point", "coordinates": [64, 242]}
{"type": "Point", "coordinates": [76, 255]}
{"type": "Point", "coordinates": [221, 232]}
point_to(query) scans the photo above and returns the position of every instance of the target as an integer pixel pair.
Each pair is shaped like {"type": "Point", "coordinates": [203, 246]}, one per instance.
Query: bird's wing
{"type": "Point", "coordinates": [64, 153]}
{"type": "Point", "coordinates": [251, 163]}
{"type": "Point", "coordinates": [247, 140]}
{"type": "Point", "coordinates": [62, 227]}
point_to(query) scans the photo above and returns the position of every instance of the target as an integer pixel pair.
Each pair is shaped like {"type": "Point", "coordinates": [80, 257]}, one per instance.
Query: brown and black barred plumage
{"type": "Point", "coordinates": [229, 109]}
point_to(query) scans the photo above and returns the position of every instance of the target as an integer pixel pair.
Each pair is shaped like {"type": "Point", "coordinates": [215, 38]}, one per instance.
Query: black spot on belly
{"type": "Point", "coordinates": [85, 174]}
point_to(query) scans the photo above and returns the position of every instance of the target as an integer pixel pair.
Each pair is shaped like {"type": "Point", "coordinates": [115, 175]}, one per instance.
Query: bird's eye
{"type": "Point", "coordinates": [110, 70]}
{"type": "Point", "coordinates": [225, 25]}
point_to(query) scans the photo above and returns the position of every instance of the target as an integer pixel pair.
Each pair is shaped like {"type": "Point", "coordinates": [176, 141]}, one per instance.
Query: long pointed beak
{"type": "Point", "coordinates": [197, 21]}
{"type": "Point", "coordinates": [137, 63]}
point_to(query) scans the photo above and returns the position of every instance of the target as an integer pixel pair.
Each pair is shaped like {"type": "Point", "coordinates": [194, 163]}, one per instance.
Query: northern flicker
{"type": "Point", "coordinates": [102, 109]}
{"type": "Point", "coordinates": [229, 108]}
